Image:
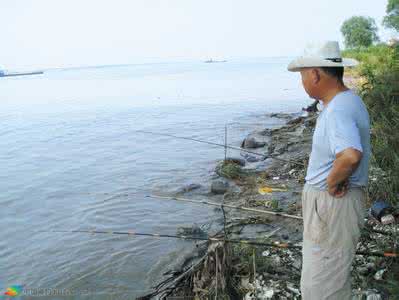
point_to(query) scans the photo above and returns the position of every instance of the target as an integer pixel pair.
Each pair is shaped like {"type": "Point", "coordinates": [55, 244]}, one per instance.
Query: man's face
{"type": "Point", "coordinates": [310, 79]}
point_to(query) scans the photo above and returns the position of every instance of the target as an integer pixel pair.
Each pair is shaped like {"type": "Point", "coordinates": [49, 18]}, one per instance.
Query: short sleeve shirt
{"type": "Point", "coordinates": [344, 123]}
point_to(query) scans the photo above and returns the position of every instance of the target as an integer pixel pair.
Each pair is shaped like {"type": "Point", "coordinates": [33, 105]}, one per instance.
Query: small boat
{"type": "Point", "coordinates": [20, 73]}
{"type": "Point", "coordinates": [210, 61]}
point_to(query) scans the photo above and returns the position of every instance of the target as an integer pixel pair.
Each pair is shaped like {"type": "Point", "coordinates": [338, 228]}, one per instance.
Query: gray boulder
{"type": "Point", "coordinates": [219, 186]}
{"type": "Point", "coordinates": [255, 140]}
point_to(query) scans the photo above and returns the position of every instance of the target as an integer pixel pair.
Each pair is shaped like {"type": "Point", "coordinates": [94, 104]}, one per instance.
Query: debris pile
{"type": "Point", "coordinates": [275, 273]}
{"type": "Point", "coordinates": [377, 277]}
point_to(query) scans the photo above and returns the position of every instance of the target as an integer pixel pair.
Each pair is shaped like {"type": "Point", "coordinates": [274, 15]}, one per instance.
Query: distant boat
{"type": "Point", "coordinates": [211, 61]}
{"type": "Point", "coordinates": [9, 74]}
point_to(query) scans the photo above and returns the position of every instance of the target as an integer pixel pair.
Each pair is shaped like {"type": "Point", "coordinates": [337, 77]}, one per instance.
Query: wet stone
{"type": "Point", "coordinates": [252, 142]}
{"type": "Point", "coordinates": [219, 186]}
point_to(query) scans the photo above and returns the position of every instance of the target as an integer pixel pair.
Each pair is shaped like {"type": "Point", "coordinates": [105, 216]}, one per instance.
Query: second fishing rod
{"type": "Point", "coordinates": [299, 163]}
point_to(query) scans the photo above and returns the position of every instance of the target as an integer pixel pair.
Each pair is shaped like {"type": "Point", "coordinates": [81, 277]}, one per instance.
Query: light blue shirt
{"type": "Point", "coordinates": [343, 123]}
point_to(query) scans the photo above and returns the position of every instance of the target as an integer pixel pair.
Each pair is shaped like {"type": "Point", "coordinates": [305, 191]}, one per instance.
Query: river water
{"type": "Point", "coordinates": [71, 159]}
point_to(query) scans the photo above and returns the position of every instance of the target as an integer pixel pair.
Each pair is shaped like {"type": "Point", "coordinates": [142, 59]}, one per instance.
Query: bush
{"type": "Point", "coordinates": [380, 91]}
{"type": "Point", "coordinates": [391, 20]}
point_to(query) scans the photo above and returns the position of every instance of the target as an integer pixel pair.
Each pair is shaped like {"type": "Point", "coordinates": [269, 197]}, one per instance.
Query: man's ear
{"type": "Point", "coordinates": [316, 75]}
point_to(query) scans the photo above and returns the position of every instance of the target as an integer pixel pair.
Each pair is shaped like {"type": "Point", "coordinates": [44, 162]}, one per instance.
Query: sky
{"type": "Point", "coordinates": [64, 33]}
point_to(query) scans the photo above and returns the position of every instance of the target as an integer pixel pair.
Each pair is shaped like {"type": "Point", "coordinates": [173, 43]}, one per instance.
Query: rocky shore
{"type": "Point", "coordinates": [282, 155]}
{"type": "Point", "coordinates": [268, 175]}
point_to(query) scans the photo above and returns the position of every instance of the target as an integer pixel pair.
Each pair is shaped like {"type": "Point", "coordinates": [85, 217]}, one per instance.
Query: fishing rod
{"type": "Point", "coordinates": [227, 205]}
{"type": "Point", "coordinates": [210, 239]}
{"type": "Point", "coordinates": [184, 237]}
{"type": "Point", "coordinates": [243, 208]}
{"type": "Point", "coordinates": [221, 145]}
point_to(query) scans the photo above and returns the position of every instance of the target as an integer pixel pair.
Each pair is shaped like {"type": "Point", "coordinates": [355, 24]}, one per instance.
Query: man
{"type": "Point", "coordinates": [334, 194]}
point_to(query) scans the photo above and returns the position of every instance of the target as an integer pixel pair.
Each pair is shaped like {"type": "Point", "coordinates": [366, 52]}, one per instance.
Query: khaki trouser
{"type": "Point", "coordinates": [331, 232]}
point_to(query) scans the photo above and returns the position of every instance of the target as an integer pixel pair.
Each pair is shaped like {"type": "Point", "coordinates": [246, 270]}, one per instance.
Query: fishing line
{"type": "Point", "coordinates": [227, 205]}
{"type": "Point", "coordinates": [209, 239]}
{"type": "Point", "coordinates": [221, 145]}
{"type": "Point", "coordinates": [184, 237]}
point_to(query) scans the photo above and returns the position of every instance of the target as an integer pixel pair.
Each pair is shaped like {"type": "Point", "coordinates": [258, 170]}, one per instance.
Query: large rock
{"type": "Point", "coordinates": [219, 186]}
{"type": "Point", "coordinates": [255, 140]}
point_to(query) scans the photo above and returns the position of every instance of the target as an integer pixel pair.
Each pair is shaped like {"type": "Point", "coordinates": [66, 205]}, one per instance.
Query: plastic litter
{"type": "Point", "coordinates": [381, 209]}
{"type": "Point", "coordinates": [388, 219]}
{"type": "Point", "coordinates": [291, 288]}
{"type": "Point", "coordinates": [266, 253]}
{"type": "Point", "coordinates": [268, 190]}
{"type": "Point", "coordinates": [379, 274]}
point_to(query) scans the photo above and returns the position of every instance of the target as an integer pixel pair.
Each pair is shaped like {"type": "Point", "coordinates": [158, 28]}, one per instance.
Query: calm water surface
{"type": "Point", "coordinates": [71, 159]}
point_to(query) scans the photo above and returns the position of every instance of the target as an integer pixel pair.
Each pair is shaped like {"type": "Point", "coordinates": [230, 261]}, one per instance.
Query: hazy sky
{"type": "Point", "coordinates": [52, 33]}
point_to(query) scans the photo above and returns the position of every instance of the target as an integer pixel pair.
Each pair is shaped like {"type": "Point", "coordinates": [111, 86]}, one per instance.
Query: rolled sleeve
{"type": "Point", "coordinates": [343, 132]}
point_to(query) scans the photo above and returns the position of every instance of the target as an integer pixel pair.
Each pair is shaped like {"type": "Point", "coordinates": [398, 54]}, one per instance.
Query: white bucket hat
{"type": "Point", "coordinates": [327, 54]}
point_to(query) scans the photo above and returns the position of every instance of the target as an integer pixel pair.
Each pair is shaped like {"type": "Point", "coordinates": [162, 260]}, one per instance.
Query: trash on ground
{"type": "Point", "coordinates": [379, 274]}
{"type": "Point", "coordinates": [267, 190]}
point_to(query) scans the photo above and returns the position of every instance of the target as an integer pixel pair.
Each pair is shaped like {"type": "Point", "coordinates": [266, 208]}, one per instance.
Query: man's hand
{"type": "Point", "coordinates": [339, 190]}
{"type": "Point", "coordinates": [344, 165]}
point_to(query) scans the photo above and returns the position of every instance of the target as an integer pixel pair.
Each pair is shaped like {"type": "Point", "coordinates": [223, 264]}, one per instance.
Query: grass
{"type": "Point", "coordinates": [230, 170]}
{"type": "Point", "coordinates": [379, 88]}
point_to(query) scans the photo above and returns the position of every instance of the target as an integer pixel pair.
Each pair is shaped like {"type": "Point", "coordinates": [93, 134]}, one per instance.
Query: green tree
{"type": "Point", "coordinates": [359, 32]}
{"type": "Point", "coordinates": [391, 20]}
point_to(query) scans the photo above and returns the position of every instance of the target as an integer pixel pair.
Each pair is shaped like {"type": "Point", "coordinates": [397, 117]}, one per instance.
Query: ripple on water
{"type": "Point", "coordinates": [71, 159]}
